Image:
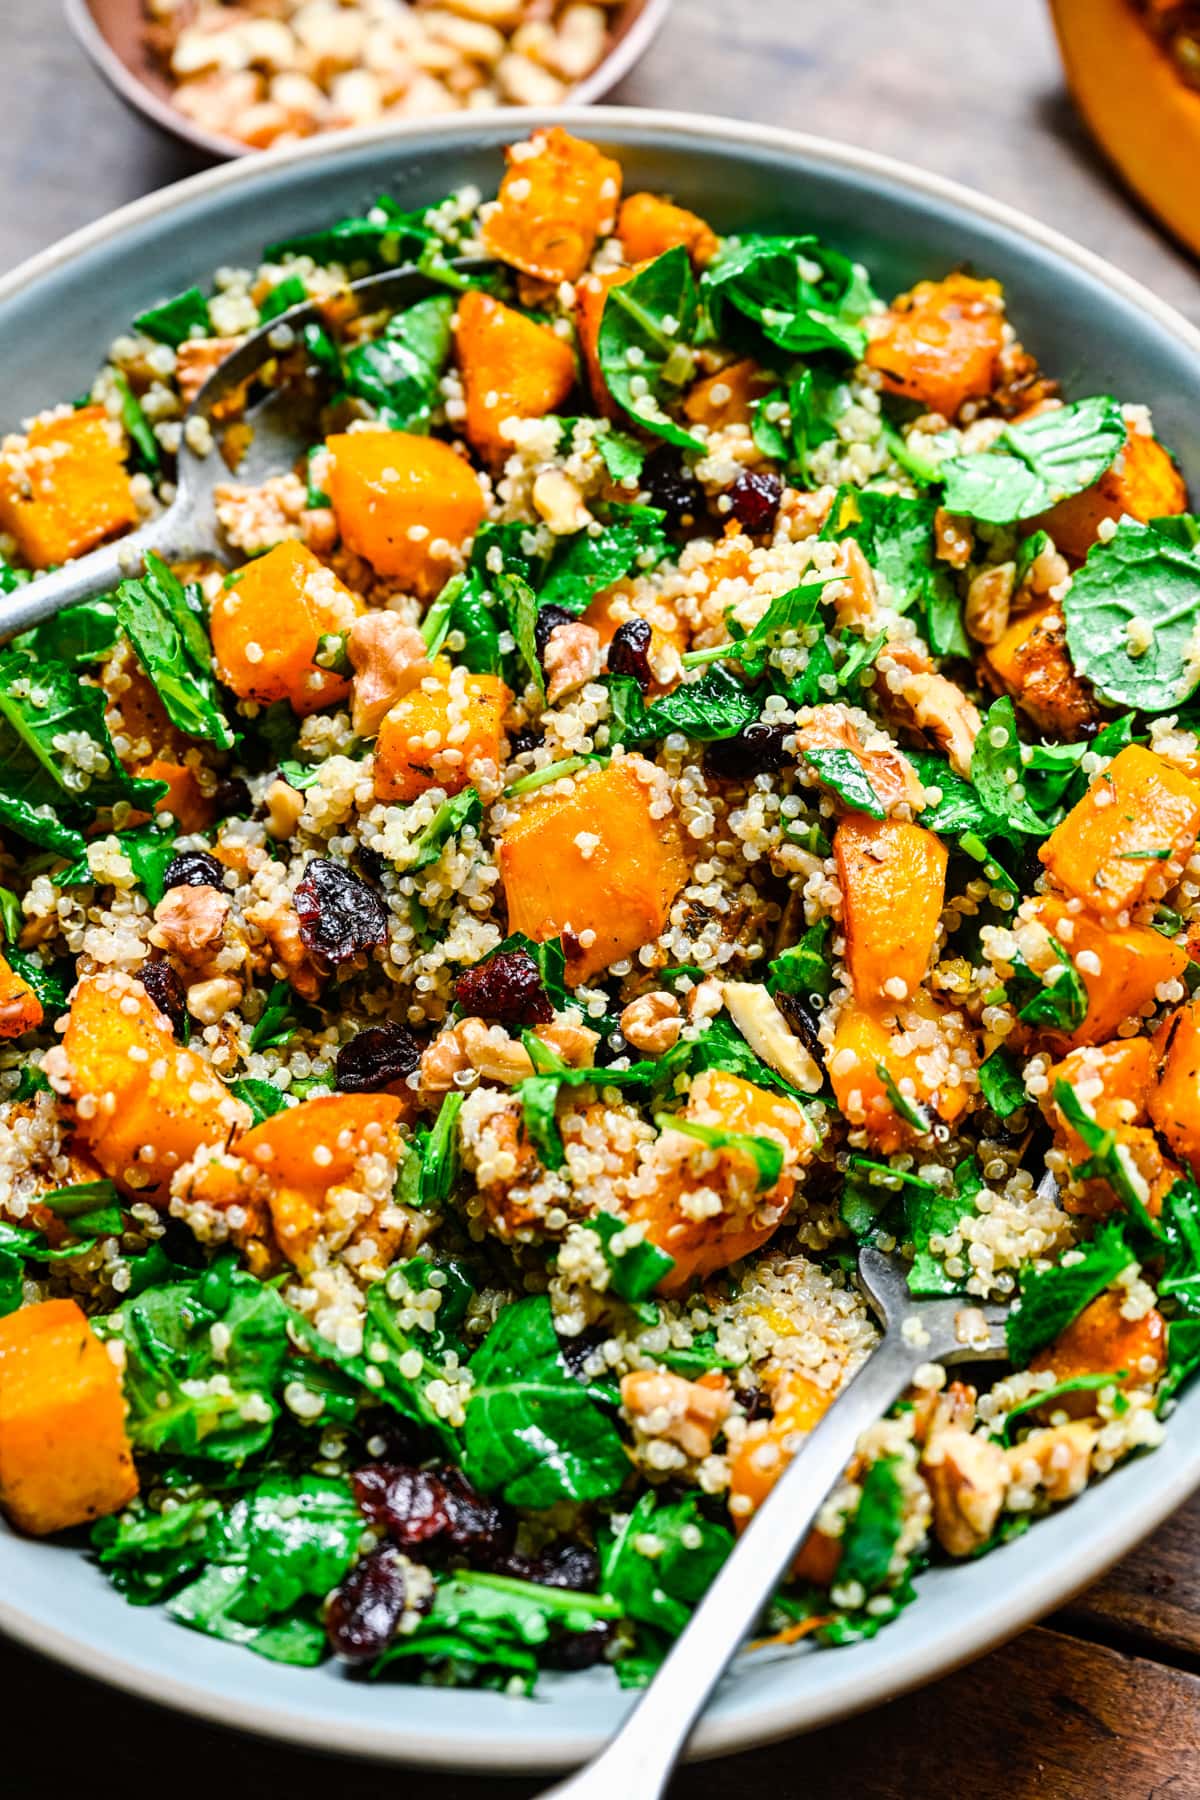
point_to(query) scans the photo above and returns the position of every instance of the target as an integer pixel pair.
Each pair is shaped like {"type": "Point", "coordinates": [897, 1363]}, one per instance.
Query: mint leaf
{"type": "Point", "coordinates": [643, 346]}
{"type": "Point", "coordinates": [802, 295]}
{"type": "Point", "coordinates": [1031, 467]}
{"type": "Point", "coordinates": [1131, 615]}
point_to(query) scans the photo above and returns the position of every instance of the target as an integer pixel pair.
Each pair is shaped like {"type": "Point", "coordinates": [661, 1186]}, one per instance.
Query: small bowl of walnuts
{"type": "Point", "coordinates": [234, 76]}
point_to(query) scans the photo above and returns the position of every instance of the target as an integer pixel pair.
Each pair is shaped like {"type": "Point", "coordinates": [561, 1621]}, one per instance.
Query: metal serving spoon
{"type": "Point", "coordinates": [638, 1762]}
{"type": "Point", "coordinates": [283, 423]}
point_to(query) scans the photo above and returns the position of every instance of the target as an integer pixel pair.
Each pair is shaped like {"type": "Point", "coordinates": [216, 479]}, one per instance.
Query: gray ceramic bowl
{"type": "Point", "coordinates": [1092, 326]}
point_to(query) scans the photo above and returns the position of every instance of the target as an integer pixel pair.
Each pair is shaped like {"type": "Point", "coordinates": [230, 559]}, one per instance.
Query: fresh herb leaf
{"type": "Point", "coordinates": [637, 1267]}
{"type": "Point", "coordinates": [663, 1589]}
{"type": "Point", "coordinates": [1001, 1083]}
{"type": "Point", "coordinates": [895, 534]}
{"type": "Point", "coordinates": [1061, 1003]}
{"type": "Point", "coordinates": [452, 816]}
{"type": "Point", "coordinates": [931, 1212]}
{"type": "Point", "coordinates": [137, 426]}
{"type": "Point", "coordinates": [262, 1097]}
{"type": "Point", "coordinates": [1046, 1397]}
{"type": "Point", "coordinates": [282, 297]}
{"type": "Point", "coordinates": [909, 1110]}
{"type": "Point", "coordinates": [277, 1021]}
{"type": "Point", "coordinates": [174, 321]}
{"type": "Point", "coordinates": [164, 622]}
{"type": "Point", "coordinates": [382, 237]}
{"type": "Point", "coordinates": [1051, 1298]}
{"type": "Point", "coordinates": [1031, 467]}
{"type": "Point", "coordinates": [873, 1531]}
{"type": "Point", "coordinates": [78, 635]}
{"type": "Point", "coordinates": [399, 372]}
{"type": "Point", "coordinates": [802, 295]}
{"type": "Point", "coordinates": [147, 850]}
{"type": "Point", "coordinates": [646, 328]}
{"type": "Point", "coordinates": [439, 1154]}
{"type": "Point", "coordinates": [1130, 614]}
{"type": "Point", "coordinates": [841, 770]}
{"type": "Point", "coordinates": [588, 561]}
{"type": "Point", "coordinates": [806, 969]}
{"type": "Point", "coordinates": [997, 773]}
{"type": "Point", "coordinates": [714, 707]}
{"type": "Point", "coordinates": [763, 1152]}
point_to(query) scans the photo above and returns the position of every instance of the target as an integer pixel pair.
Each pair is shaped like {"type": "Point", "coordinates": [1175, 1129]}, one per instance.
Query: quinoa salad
{"type": "Point", "coordinates": [696, 770]}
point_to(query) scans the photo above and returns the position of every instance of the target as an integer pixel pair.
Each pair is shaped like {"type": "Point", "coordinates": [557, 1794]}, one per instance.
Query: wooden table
{"type": "Point", "coordinates": [1103, 1701]}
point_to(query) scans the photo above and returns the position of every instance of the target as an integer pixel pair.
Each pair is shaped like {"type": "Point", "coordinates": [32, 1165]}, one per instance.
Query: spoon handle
{"type": "Point", "coordinates": [86, 578]}
{"type": "Point", "coordinates": [637, 1763]}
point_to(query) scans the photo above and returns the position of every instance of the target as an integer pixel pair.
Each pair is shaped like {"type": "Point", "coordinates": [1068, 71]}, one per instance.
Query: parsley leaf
{"type": "Point", "coordinates": [164, 622]}
{"type": "Point", "coordinates": [174, 321]}
{"type": "Point", "coordinates": [895, 533]}
{"type": "Point", "coordinates": [636, 1269]}
{"type": "Point", "coordinates": [1001, 1084]}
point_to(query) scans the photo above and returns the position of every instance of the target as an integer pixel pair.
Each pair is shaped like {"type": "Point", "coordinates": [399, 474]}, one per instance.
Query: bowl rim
{"type": "Point", "coordinates": [1071, 1559]}
{"type": "Point", "coordinates": [628, 50]}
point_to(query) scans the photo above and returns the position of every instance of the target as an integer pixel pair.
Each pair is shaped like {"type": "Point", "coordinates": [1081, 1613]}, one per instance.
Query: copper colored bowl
{"type": "Point", "coordinates": [112, 33]}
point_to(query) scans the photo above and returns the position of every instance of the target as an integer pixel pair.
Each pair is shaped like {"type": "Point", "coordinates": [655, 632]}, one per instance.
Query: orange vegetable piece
{"type": "Point", "coordinates": [557, 197]}
{"type": "Point", "coordinates": [65, 489]}
{"type": "Point", "coordinates": [590, 297]}
{"type": "Point", "coordinates": [64, 1454]}
{"type": "Point", "coordinates": [419, 745]}
{"type": "Point", "coordinates": [608, 895]}
{"type": "Point", "coordinates": [677, 1167]}
{"type": "Point", "coordinates": [511, 368]}
{"type": "Point", "coordinates": [144, 1104]}
{"type": "Point", "coordinates": [267, 627]}
{"type": "Point", "coordinates": [649, 226]}
{"type": "Point", "coordinates": [942, 343]}
{"type": "Point", "coordinates": [1124, 1069]}
{"type": "Point", "coordinates": [407, 504]}
{"type": "Point", "coordinates": [190, 807]}
{"type": "Point", "coordinates": [20, 1008]}
{"type": "Point", "coordinates": [1143, 482]}
{"type": "Point", "coordinates": [727, 398]}
{"type": "Point", "coordinates": [764, 1452]}
{"type": "Point", "coordinates": [865, 1041]}
{"type": "Point", "coordinates": [1101, 1342]}
{"type": "Point", "coordinates": [1106, 850]}
{"type": "Point", "coordinates": [893, 879]}
{"type": "Point", "coordinates": [1030, 661]}
{"type": "Point", "coordinates": [1134, 961]}
{"type": "Point", "coordinates": [1174, 1102]}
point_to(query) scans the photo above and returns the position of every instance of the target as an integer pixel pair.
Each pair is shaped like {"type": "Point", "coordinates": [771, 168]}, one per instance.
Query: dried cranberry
{"type": "Point", "coordinates": [803, 1024]}
{"type": "Point", "coordinates": [528, 737]}
{"type": "Point", "coordinates": [421, 1507]}
{"type": "Point", "coordinates": [232, 798]}
{"type": "Point", "coordinates": [377, 1057]}
{"type": "Point", "coordinates": [166, 990]}
{"type": "Point", "coordinates": [757, 749]}
{"type": "Point", "coordinates": [507, 987]}
{"type": "Point", "coordinates": [364, 1611]}
{"type": "Point", "coordinates": [629, 652]}
{"type": "Point", "coordinates": [549, 619]}
{"type": "Point", "coordinates": [578, 1649]}
{"type": "Point", "coordinates": [370, 862]}
{"type": "Point", "coordinates": [671, 486]}
{"type": "Point", "coordinates": [564, 1565]}
{"type": "Point", "coordinates": [193, 868]}
{"type": "Point", "coordinates": [339, 914]}
{"type": "Point", "coordinates": [754, 500]}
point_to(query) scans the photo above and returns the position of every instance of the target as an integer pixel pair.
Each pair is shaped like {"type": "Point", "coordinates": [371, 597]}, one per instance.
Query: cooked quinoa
{"type": "Point", "coordinates": [694, 771]}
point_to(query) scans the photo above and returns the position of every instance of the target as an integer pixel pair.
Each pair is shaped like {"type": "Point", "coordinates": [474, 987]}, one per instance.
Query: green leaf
{"type": "Point", "coordinates": [1180, 1225]}
{"type": "Point", "coordinates": [909, 1110]}
{"type": "Point", "coordinates": [147, 1554]}
{"type": "Point", "coordinates": [873, 1531]}
{"type": "Point", "coordinates": [383, 237]}
{"type": "Point", "coordinates": [937, 1212]}
{"type": "Point", "coordinates": [997, 773]}
{"type": "Point", "coordinates": [842, 771]}
{"type": "Point", "coordinates": [532, 1434]}
{"type": "Point", "coordinates": [1031, 467]}
{"type": "Point", "coordinates": [399, 372]}
{"type": "Point", "coordinates": [277, 1021]}
{"type": "Point", "coordinates": [147, 849]}
{"type": "Point", "coordinates": [282, 297]}
{"type": "Point", "coordinates": [1002, 1084]}
{"type": "Point", "coordinates": [1131, 613]}
{"type": "Point", "coordinates": [588, 561]}
{"type": "Point", "coordinates": [78, 635]}
{"type": "Point", "coordinates": [1061, 1003]}
{"type": "Point", "coordinates": [763, 1152]}
{"type": "Point", "coordinates": [643, 346]}
{"type": "Point", "coordinates": [439, 1154]}
{"type": "Point", "coordinates": [621, 454]}
{"type": "Point", "coordinates": [786, 615]}
{"type": "Point", "coordinates": [48, 984]}
{"type": "Point", "coordinates": [895, 534]}
{"type": "Point", "coordinates": [635, 1269]}
{"type": "Point", "coordinates": [174, 321]}
{"type": "Point", "coordinates": [1051, 1298]}
{"type": "Point", "coordinates": [807, 968]}
{"type": "Point", "coordinates": [662, 1559]}
{"type": "Point", "coordinates": [790, 423]}
{"type": "Point", "coordinates": [1046, 1397]}
{"type": "Point", "coordinates": [519, 604]}
{"type": "Point", "coordinates": [714, 707]}
{"type": "Point", "coordinates": [136, 425]}
{"type": "Point", "coordinates": [802, 295]}
{"type": "Point", "coordinates": [262, 1097]}
{"type": "Point", "coordinates": [452, 816]}
{"type": "Point", "coordinates": [1110, 1160]}
{"type": "Point", "coordinates": [163, 621]}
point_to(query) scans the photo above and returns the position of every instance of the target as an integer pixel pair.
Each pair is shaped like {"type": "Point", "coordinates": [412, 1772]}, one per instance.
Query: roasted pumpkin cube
{"type": "Point", "coordinates": [557, 197]}
{"type": "Point", "coordinates": [190, 807]}
{"type": "Point", "coordinates": [893, 880]}
{"type": "Point", "coordinates": [594, 866]}
{"type": "Point", "coordinates": [728, 397]}
{"type": "Point", "coordinates": [920, 1055]}
{"type": "Point", "coordinates": [144, 1104]}
{"type": "Point", "coordinates": [590, 298]}
{"type": "Point", "coordinates": [768, 1445]}
{"type": "Point", "coordinates": [512, 368]}
{"type": "Point", "coordinates": [941, 343]}
{"type": "Point", "coordinates": [407, 504]}
{"type": "Point", "coordinates": [1143, 482]}
{"type": "Point", "coordinates": [64, 488]}
{"type": "Point", "coordinates": [1174, 1100]}
{"type": "Point", "coordinates": [649, 226]}
{"type": "Point", "coordinates": [20, 1008]}
{"type": "Point", "coordinates": [1030, 661]}
{"type": "Point", "coordinates": [64, 1454]}
{"type": "Point", "coordinates": [1125, 842]}
{"type": "Point", "coordinates": [1113, 1080]}
{"type": "Point", "coordinates": [437, 733]}
{"type": "Point", "coordinates": [1102, 1341]}
{"type": "Point", "coordinates": [1121, 966]}
{"type": "Point", "coordinates": [267, 628]}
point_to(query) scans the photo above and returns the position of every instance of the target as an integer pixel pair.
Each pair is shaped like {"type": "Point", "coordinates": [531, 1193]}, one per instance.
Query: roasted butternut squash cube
{"type": "Point", "coordinates": [1174, 1100]}
{"type": "Point", "coordinates": [1143, 482]}
{"type": "Point", "coordinates": [267, 628]}
{"type": "Point", "coordinates": [1113, 1080]}
{"type": "Point", "coordinates": [557, 197]}
{"type": "Point", "coordinates": [728, 397]}
{"type": "Point", "coordinates": [20, 1008]}
{"type": "Point", "coordinates": [190, 807]}
{"type": "Point", "coordinates": [649, 226]}
{"type": "Point", "coordinates": [893, 879]}
{"type": "Point", "coordinates": [407, 504]}
{"type": "Point", "coordinates": [143, 1103]}
{"type": "Point", "coordinates": [1030, 661]}
{"type": "Point", "coordinates": [64, 488]}
{"type": "Point", "coordinates": [1134, 962]}
{"type": "Point", "coordinates": [595, 867]}
{"type": "Point", "coordinates": [1103, 1341]}
{"type": "Point", "coordinates": [768, 1445]}
{"type": "Point", "coordinates": [64, 1454]}
{"type": "Point", "coordinates": [922, 1054]}
{"type": "Point", "coordinates": [590, 297]}
{"type": "Point", "coordinates": [1125, 842]}
{"type": "Point", "coordinates": [512, 368]}
{"type": "Point", "coordinates": [439, 732]}
{"type": "Point", "coordinates": [941, 343]}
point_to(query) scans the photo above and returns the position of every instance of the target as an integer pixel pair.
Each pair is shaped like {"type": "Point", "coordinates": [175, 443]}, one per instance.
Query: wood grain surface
{"type": "Point", "coordinates": [1101, 1703]}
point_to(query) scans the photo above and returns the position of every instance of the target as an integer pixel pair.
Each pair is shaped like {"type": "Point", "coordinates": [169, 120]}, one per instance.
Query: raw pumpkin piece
{"type": "Point", "coordinates": [1121, 967]}
{"type": "Point", "coordinates": [594, 867]}
{"type": "Point", "coordinates": [728, 397]}
{"type": "Point", "coordinates": [1124, 842]}
{"type": "Point", "coordinates": [436, 733]}
{"type": "Point", "coordinates": [512, 368]}
{"type": "Point", "coordinates": [64, 1454]}
{"type": "Point", "coordinates": [872, 1054]}
{"type": "Point", "coordinates": [649, 226]}
{"type": "Point", "coordinates": [64, 488]}
{"type": "Point", "coordinates": [941, 343]}
{"type": "Point", "coordinates": [20, 1008]}
{"type": "Point", "coordinates": [590, 297]}
{"type": "Point", "coordinates": [893, 880]}
{"type": "Point", "coordinates": [406, 504]}
{"type": "Point", "coordinates": [557, 197]}
{"type": "Point", "coordinates": [1143, 482]}
{"type": "Point", "coordinates": [1174, 1101]}
{"type": "Point", "coordinates": [1101, 1341]}
{"type": "Point", "coordinates": [677, 1169]}
{"type": "Point", "coordinates": [144, 1104]}
{"type": "Point", "coordinates": [1030, 661]}
{"type": "Point", "coordinates": [267, 628]}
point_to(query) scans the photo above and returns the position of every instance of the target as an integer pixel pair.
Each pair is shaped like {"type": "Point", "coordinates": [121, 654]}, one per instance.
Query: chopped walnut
{"type": "Point", "coordinates": [209, 1001]}
{"type": "Point", "coordinates": [687, 1413]}
{"type": "Point", "coordinates": [1057, 1458]}
{"type": "Point", "coordinates": [967, 1478]}
{"type": "Point", "coordinates": [933, 703]}
{"type": "Point", "coordinates": [988, 600]}
{"type": "Point", "coordinates": [284, 805]}
{"type": "Point", "coordinates": [652, 1023]}
{"type": "Point", "coordinates": [855, 597]}
{"type": "Point", "coordinates": [389, 659]}
{"type": "Point", "coordinates": [572, 657]}
{"type": "Point", "coordinates": [189, 922]}
{"type": "Point", "coordinates": [195, 360]}
{"type": "Point", "coordinates": [493, 1054]}
{"type": "Point", "coordinates": [276, 918]}
{"type": "Point", "coordinates": [560, 503]}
